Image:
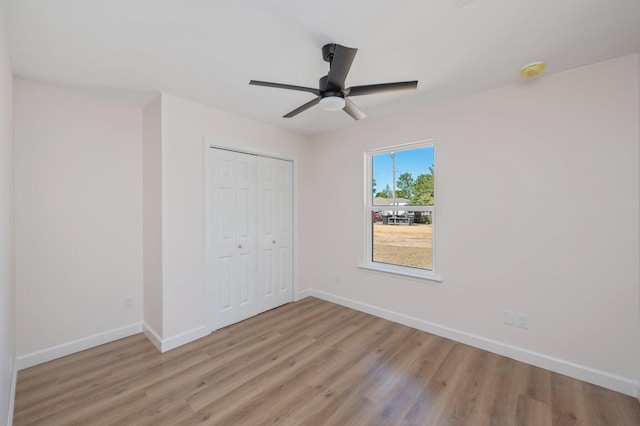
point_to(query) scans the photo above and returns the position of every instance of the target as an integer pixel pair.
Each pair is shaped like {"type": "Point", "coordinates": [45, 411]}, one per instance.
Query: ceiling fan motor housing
{"type": "Point", "coordinates": [327, 51]}
{"type": "Point", "coordinates": [325, 90]}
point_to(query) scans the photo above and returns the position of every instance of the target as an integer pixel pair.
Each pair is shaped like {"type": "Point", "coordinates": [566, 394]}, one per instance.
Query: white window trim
{"type": "Point", "coordinates": [367, 263]}
{"type": "Point", "coordinates": [404, 271]}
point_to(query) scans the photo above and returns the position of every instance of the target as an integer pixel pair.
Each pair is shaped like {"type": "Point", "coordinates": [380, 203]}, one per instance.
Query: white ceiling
{"type": "Point", "coordinates": [208, 50]}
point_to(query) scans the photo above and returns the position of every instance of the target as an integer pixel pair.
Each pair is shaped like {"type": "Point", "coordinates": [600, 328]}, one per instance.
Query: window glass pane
{"type": "Point", "coordinates": [402, 238]}
{"type": "Point", "coordinates": [402, 191]}
{"type": "Point", "coordinates": [403, 178]}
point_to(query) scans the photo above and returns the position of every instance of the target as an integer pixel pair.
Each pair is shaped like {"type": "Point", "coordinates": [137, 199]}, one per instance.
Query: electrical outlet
{"type": "Point", "coordinates": [522, 320]}
{"type": "Point", "coordinates": [338, 279]}
{"type": "Point", "coordinates": [509, 318]}
{"type": "Point", "coordinates": [10, 367]}
{"type": "Point", "coordinates": [127, 304]}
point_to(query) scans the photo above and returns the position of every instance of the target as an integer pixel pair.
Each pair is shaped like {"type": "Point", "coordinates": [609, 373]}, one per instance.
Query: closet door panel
{"type": "Point", "coordinates": [275, 262]}
{"type": "Point", "coordinates": [234, 239]}
{"type": "Point", "coordinates": [251, 226]}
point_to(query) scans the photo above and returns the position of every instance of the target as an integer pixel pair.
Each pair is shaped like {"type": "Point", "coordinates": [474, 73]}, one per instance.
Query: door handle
{"type": "Point", "coordinates": [239, 245]}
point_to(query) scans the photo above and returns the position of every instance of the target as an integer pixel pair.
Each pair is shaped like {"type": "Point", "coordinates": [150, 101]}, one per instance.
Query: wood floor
{"type": "Point", "coordinates": [309, 363]}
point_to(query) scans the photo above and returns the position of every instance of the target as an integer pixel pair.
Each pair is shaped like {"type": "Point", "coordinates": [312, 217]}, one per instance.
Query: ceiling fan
{"type": "Point", "coordinates": [331, 93]}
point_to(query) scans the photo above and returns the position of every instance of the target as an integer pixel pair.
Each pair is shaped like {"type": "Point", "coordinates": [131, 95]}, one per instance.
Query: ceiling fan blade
{"type": "Point", "coordinates": [302, 108]}
{"type": "Point", "coordinates": [340, 66]}
{"type": "Point", "coordinates": [351, 109]}
{"type": "Point", "coordinates": [370, 89]}
{"type": "Point", "coordinates": [285, 86]}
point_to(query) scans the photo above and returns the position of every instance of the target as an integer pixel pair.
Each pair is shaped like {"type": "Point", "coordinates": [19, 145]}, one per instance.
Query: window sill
{"type": "Point", "coordinates": [422, 276]}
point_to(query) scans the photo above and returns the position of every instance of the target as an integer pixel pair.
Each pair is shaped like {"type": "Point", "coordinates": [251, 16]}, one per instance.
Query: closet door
{"type": "Point", "coordinates": [275, 229]}
{"type": "Point", "coordinates": [234, 242]}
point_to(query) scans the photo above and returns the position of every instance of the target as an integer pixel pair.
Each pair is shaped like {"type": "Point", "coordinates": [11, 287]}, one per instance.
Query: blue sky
{"type": "Point", "coordinates": [415, 161]}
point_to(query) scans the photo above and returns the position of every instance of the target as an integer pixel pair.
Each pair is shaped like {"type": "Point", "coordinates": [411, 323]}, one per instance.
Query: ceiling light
{"type": "Point", "coordinates": [533, 69]}
{"type": "Point", "coordinates": [332, 103]}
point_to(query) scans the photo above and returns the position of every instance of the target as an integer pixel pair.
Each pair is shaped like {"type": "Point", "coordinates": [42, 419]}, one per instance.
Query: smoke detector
{"type": "Point", "coordinates": [533, 69]}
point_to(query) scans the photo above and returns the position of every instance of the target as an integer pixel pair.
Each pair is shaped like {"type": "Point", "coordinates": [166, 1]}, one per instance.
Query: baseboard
{"type": "Point", "coordinates": [303, 294]}
{"type": "Point", "coordinates": [58, 351]}
{"type": "Point", "coordinates": [152, 335]}
{"type": "Point", "coordinates": [165, 345]}
{"type": "Point", "coordinates": [601, 378]}
{"type": "Point", "coordinates": [12, 394]}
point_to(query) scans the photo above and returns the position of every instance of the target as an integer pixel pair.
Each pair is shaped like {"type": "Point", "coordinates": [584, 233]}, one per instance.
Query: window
{"type": "Point", "coordinates": [400, 210]}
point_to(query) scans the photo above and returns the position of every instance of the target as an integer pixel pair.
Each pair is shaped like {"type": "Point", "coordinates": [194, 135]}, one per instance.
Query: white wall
{"type": "Point", "coordinates": [152, 218]}
{"type": "Point", "coordinates": [185, 125]}
{"type": "Point", "coordinates": [78, 195]}
{"type": "Point", "coordinates": [7, 274]}
{"type": "Point", "coordinates": [537, 212]}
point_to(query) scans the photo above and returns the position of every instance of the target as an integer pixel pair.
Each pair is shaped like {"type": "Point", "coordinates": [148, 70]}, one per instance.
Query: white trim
{"type": "Point", "coordinates": [184, 338]}
{"type": "Point", "coordinates": [294, 227]}
{"type": "Point", "coordinates": [64, 349]}
{"type": "Point", "coordinates": [404, 271]}
{"type": "Point", "coordinates": [153, 336]}
{"type": "Point", "coordinates": [403, 146]}
{"type": "Point", "coordinates": [248, 151]}
{"type": "Point", "coordinates": [12, 393]}
{"type": "Point", "coordinates": [164, 345]}
{"type": "Point", "coordinates": [303, 294]}
{"type": "Point", "coordinates": [611, 381]}
{"type": "Point", "coordinates": [208, 274]}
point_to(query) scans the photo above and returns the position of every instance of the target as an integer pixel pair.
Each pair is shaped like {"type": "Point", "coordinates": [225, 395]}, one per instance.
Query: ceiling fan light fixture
{"type": "Point", "coordinates": [332, 103]}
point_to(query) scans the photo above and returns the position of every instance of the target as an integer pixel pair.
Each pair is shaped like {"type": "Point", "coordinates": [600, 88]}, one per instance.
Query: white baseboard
{"type": "Point", "coordinates": [152, 335]}
{"type": "Point", "coordinates": [302, 294]}
{"type": "Point", "coordinates": [58, 351]}
{"type": "Point", "coordinates": [12, 394]}
{"type": "Point", "coordinates": [182, 338]}
{"type": "Point", "coordinates": [165, 345]}
{"type": "Point", "coordinates": [601, 378]}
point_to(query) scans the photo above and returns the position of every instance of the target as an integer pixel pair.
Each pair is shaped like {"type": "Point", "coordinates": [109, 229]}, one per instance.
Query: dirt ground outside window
{"type": "Point", "coordinates": [405, 245]}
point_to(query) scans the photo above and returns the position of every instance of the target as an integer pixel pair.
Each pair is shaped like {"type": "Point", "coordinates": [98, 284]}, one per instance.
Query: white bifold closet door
{"type": "Point", "coordinates": [275, 231]}
{"type": "Point", "coordinates": [251, 234]}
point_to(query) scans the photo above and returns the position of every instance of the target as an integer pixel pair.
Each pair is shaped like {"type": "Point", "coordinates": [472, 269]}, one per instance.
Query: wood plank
{"type": "Point", "coordinates": [314, 363]}
{"type": "Point", "coordinates": [532, 412]}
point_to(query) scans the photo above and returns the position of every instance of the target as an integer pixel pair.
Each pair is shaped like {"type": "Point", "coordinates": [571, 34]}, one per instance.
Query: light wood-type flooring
{"type": "Point", "coordinates": [309, 363]}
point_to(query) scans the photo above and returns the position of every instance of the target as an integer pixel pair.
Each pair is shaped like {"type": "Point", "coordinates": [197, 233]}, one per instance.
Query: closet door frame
{"type": "Point", "coordinates": [207, 145]}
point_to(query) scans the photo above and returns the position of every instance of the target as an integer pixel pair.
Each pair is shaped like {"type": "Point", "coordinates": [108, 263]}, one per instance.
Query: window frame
{"type": "Point", "coordinates": [368, 263]}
